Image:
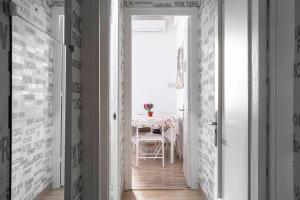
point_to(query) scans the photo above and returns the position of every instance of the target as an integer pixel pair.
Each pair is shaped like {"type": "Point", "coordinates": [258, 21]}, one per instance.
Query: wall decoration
{"type": "Point", "coordinates": [4, 105]}
{"type": "Point", "coordinates": [181, 68]}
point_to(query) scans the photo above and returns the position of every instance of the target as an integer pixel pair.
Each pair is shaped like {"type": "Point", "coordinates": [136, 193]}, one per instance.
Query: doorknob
{"type": "Point", "coordinates": [212, 123]}
{"type": "Point", "coordinates": [181, 109]}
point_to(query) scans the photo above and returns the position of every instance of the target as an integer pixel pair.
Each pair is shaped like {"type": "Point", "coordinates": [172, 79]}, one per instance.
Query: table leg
{"type": "Point", "coordinates": [172, 146]}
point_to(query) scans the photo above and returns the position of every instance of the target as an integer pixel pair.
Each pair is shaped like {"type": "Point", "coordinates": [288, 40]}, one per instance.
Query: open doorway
{"type": "Point", "coordinates": [160, 72]}
{"type": "Point", "coordinates": [159, 80]}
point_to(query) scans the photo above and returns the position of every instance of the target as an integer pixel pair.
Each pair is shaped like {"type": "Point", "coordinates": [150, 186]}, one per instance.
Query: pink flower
{"type": "Point", "coordinates": [148, 106]}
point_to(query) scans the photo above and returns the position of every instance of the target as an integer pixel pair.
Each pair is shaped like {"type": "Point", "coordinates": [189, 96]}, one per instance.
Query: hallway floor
{"type": "Point", "coordinates": [151, 175]}
{"type": "Point", "coordinates": [55, 195]}
{"type": "Point", "coordinates": [162, 195]}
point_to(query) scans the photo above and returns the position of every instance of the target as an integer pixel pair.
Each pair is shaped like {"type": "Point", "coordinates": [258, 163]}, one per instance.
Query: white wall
{"type": "Point", "coordinates": [154, 71]}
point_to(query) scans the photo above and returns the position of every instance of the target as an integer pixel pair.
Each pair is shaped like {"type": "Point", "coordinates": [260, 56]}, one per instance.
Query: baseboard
{"type": "Point", "coordinates": [42, 194]}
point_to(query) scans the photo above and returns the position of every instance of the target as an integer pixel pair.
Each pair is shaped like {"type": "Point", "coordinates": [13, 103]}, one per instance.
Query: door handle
{"type": "Point", "coordinates": [216, 133]}
{"type": "Point", "coordinates": [212, 123]}
{"type": "Point", "coordinates": [181, 110]}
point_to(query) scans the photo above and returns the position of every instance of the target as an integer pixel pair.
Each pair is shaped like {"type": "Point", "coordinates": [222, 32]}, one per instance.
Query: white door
{"type": "Point", "coordinates": [114, 143]}
{"type": "Point", "coordinates": [235, 100]}
{"type": "Point", "coordinates": [185, 108]}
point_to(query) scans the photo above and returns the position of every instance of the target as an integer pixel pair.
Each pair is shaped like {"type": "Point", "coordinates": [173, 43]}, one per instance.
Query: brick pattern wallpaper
{"type": "Point", "coordinates": [34, 60]}
{"type": "Point", "coordinates": [206, 96]}
{"type": "Point", "coordinates": [32, 98]}
{"type": "Point", "coordinates": [121, 91]}
{"type": "Point", "coordinates": [297, 105]}
{"type": "Point", "coordinates": [38, 13]}
{"type": "Point", "coordinates": [4, 105]}
{"type": "Point", "coordinates": [32, 109]}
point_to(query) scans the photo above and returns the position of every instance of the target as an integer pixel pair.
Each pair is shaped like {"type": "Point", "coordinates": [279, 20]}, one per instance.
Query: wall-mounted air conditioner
{"type": "Point", "coordinates": [148, 25]}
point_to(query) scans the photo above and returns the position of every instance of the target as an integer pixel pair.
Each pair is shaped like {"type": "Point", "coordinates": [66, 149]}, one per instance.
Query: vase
{"type": "Point", "coordinates": [150, 114]}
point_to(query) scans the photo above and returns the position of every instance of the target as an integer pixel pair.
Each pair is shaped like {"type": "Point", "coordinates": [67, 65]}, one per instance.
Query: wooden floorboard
{"type": "Point", "coordinates": [162, 195]}
{"type": "Point", "coordinates": [55, 195]}
{"type": "Point", "coordinates": [151, 175]}
{"type": "Point", "coordinates": [151, 181]}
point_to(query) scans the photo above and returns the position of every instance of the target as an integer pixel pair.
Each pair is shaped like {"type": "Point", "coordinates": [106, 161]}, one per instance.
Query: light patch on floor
{"type": "Point", "coordinates": [162, 195]}
{"type": "Point", "coordinates": [55, 195]}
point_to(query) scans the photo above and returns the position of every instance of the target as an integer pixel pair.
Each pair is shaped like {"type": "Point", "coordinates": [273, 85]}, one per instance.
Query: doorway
{"type": "Point", "coordinates": [160, 80]}
{"type": "Point", "coordinates": [132, 20]}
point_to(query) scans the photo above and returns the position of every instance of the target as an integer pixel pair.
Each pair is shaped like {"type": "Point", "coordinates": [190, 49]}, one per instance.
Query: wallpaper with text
{"type": "Point", "coordinates": [76, 142]}
{"type": "Point", "coordinates": [33, 64]}
{"type": "Point", "coordinates": [4, 105]}
{"type": "Point", "coordinates": [32, 113]}
{"type": "Point", "coordinates": [297, 105]}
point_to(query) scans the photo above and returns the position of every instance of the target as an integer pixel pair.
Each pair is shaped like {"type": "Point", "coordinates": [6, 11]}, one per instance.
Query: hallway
{"type": "Point", "coordinates": [77, 83]}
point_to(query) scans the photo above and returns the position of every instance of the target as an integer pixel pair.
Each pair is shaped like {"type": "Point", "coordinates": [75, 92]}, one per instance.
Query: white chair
{"type": "Point", "coordinates": [142, 143]}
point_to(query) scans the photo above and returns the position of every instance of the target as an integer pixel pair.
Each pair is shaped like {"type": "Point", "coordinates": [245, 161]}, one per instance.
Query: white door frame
{"type": "Point", "coordinates": [115, 151]}
{"type": "Point", "coordinates": [58, 123]}
{"type": "Point", "coordinates": [193, 86]}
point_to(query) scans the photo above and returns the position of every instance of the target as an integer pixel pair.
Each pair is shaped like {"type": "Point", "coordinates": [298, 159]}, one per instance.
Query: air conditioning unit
{"type": "Point", "coordinates": [149, 25]}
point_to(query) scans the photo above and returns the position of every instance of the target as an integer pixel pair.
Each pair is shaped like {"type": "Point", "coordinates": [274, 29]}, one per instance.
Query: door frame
{"type": "Point", "coordinates": [281, 58]}
{"type": "Point", "coordinates": [193, 85]}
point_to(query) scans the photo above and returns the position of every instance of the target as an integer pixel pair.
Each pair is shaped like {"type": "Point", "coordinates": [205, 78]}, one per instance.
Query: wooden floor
{"type": "Point", "coordinates": [151, 175]}
{"type": "Point", "coordinates": [151, 181]}
{"type": "Point", "coordinates": [55, 195]}
{"type": "Point", "coordinates": [162, 195]}
{"type": "Point", "coordinates": [143, 195]}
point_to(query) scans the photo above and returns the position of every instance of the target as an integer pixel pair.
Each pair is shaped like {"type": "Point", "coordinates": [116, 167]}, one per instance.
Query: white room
{"type": "Point", "coordinates": [159, 100]}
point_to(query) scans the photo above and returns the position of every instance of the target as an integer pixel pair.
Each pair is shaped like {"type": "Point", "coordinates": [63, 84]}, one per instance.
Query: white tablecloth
{"type": "Point", "coordinates": [165, 121]}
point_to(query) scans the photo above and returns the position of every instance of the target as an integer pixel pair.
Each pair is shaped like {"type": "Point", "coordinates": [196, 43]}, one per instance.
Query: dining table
{"type": "Point", "coordinates": [166, 121]}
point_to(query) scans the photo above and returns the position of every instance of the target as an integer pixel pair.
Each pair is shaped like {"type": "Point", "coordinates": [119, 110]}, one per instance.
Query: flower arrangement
{"type": "Point", "coordinates": [148, 107]}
